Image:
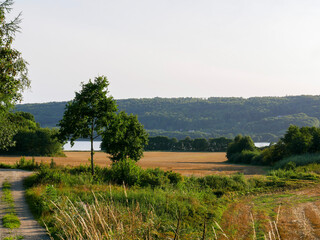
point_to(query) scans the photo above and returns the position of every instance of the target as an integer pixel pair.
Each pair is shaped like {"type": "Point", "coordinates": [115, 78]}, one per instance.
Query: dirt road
{"type": "Point", "coordinates": [29, 229]}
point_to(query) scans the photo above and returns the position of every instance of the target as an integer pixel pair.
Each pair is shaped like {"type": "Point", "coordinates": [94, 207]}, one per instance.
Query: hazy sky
{"type": "Point", "coordinates": [171, 48]}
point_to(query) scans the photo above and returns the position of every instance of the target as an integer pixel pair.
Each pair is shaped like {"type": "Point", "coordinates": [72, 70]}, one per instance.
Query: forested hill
{"type": "Point", "coordinates": [263, 118]}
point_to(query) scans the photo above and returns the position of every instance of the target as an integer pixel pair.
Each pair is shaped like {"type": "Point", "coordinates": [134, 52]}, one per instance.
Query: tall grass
{"type": "Point", "coordinates": [299, 160]}
{"type": "Point", "coordinates": [103, 220]}
{"type": "Point", "coordinates": [153, 205]}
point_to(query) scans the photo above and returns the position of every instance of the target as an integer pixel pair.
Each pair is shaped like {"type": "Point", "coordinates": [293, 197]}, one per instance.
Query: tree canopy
{"type": "Point", "coordinates": [13, 73]}
{"type": "Point", "coordinates": [124, 138]}
{"type": "Point", "coordinates": [89, 113]}
{"type": "Point", "coordinates": [30, 139]}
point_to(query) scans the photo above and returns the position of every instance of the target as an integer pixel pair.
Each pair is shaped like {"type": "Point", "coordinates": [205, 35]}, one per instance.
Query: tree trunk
{"type": "Point", "coordinates": [91, 138]}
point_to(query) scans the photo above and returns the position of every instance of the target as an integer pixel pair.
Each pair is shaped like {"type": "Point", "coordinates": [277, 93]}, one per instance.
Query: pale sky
{"type": "Point", "coordinates": [171, 48]}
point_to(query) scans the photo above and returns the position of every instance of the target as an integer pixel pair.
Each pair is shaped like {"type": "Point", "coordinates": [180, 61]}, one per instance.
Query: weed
{"type": "Point", "coordinates": [11, 221]}
{"type": "Point", "coordinates": [19, 237]}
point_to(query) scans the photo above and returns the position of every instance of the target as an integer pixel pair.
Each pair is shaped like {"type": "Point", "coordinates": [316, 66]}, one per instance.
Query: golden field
{"type": "Point", "coordinates": [186, 163]}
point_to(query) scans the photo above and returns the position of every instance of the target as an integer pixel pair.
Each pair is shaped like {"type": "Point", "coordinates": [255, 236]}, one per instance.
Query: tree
{"type": "Point", "coordinates": [13, 73]}
{"type": "Point", "coordinates": [125, 138]}
{"type": "Point", "coordinates": [240, 144]}
{"type": "Point", "coordinates": [30, 139]}
{"type": "Point", "coordinates": [200, 145]}
{"type": "Point", "coordinates": [88, 114]}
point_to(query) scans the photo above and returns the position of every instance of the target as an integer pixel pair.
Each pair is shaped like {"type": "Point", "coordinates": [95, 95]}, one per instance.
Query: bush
{"type": "Point", "coordinates": [223, 183]}
{"type": "Point", "coordinates": [239, 145]}
{"type": "Point", "coordinates": [247, 157]}
{"type": "Point", "coordinates": [125, 171]}
{"type": "Point", "coordinates": [154, 178]}
{"type": "Point", "coordinates": [174, 177]}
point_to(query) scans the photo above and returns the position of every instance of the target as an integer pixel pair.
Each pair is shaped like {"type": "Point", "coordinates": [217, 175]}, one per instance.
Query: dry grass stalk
{"type": "Point", "coordinates": [253, 227]}
{"type": "Point", "coordinates": [223, 233]}
{"type": "Point", "coordinates": [102, 220]}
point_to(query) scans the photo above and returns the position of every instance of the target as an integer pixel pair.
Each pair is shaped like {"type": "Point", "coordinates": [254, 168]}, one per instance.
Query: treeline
{"type": "Point", "coordinates": [30, 139]}
{"type": "Point", "coordinates": [262, 118]}
{"type": "Point", "coordinates": [296, 142]}
{"type": "Point", "coordinates": [161, 143]}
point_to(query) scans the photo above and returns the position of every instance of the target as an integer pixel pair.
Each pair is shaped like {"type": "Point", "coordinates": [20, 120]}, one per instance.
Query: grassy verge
{"type": "Point", "coordinates": [10, 219]}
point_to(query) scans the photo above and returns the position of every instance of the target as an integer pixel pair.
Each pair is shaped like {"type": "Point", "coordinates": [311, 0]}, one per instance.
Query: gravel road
{"type": "Point", "coordinates": [29, 229]}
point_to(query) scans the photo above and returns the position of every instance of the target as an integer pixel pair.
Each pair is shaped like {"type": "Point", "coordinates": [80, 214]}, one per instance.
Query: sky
{"type": "Point", "coordinates": [170, 48]}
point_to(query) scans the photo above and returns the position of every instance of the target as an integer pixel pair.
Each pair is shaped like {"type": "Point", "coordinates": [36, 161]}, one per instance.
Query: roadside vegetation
{"type": "Point", "coordinates": [10, 219]}
{"type": "Point", "coordinates": [125, 201]}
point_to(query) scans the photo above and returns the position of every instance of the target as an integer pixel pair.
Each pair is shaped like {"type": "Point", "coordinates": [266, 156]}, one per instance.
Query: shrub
{"type": "Point", "coordinates": [125, 171]}
{"type": "Point", "coordinates": [240, 144]}
{"type": "Point", "coordinates": [223, 183]}
{"type": "Point", "coordinates": [174, 177]}
{"type": "Point", "coordinates": [246, 156]}
{"type": "Point", "coordinates": [153, 177]}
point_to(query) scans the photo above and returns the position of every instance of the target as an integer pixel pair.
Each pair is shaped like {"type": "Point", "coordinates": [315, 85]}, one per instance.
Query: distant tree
{"type": "Point", "coordinates": [186, 144]}
{"type": "Point", "coordinates": [297, 140]}
{"type": "Point", "coordinates": [219, 144]}
{"type": "Point", "coordinates": [30, 139]}
{"type": "Point", "coordinates": [88, 114]}
{"type": "Point", "coordinates": [240, 144]}
{"type": "Point", "coordinates": [124, 138]}
{"type": "Point", "coordinates": [13, 73]}
{"type": "Point", "coordinates": [200, 145]}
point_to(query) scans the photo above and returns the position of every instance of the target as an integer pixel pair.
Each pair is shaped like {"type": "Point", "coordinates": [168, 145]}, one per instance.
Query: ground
{"type": "Point", "coordinates": [29, 229]}
{"type": "Point", "coordinates": [292, 215]}
{"type": "Point", "coordinates": [186, 163]}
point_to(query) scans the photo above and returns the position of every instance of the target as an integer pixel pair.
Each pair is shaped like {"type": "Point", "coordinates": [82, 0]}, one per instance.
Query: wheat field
{"type": "Point", "coordinates": [186, 163]}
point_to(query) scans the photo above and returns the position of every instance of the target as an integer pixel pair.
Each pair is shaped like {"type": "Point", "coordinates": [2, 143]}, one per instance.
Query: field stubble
{"type": "Point", "coordinates": [186, 163]}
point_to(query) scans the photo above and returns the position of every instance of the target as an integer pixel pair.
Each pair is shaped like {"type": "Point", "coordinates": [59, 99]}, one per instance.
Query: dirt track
{"type": "Point", "coordinates": [29, 229]}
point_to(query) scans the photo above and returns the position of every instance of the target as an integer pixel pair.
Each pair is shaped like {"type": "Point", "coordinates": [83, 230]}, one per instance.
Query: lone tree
{"type": "Point", "coordinates": [124, 138]}
{"type": "Point", "coordinates": [13, 73]}
{"type": "Point", "coordinates": [88, 114]}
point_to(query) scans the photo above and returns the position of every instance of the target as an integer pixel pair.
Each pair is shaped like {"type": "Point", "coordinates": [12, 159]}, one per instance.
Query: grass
{"type": "Point", "coordinates": [156, 204]}
{"type": "Point", "coordinates": [9, 220]}
{"type": "Point", "coordinates": [300, 160]}
{"type": "Point", "coordinates": [14, 238]}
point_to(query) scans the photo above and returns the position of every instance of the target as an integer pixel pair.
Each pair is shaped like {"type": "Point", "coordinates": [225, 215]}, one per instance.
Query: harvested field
{"type": "Point", "coordinates": [186, 163]}
{"type": "Point", "coordinates": [290, 215]}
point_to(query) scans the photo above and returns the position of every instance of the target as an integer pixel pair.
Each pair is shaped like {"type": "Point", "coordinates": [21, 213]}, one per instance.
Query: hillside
{"type": "Point", "coordinates": [263, 118]}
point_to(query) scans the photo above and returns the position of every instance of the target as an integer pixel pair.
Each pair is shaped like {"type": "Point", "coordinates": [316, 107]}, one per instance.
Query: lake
{"type": "Point", "coordinates": [85, 145]}
{"type": "Point", "coordinates": [82, 146]}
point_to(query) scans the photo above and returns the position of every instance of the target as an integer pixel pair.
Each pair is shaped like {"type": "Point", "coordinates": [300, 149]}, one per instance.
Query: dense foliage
{"type": "Point", "coordinates": [13, 73]}
{"type": "Point", "coordinates": [30, 139]}
{"type": "Point", "coordinates": [262, 118]}
{"type": "Point", "coordinates": [124, 138]}
{"type": "Point", "coordinates": [88, 114]}
{"type": "Point", "coordinates": [296, 141]}
{"type": "Point", "coordinates": [161, 143]}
